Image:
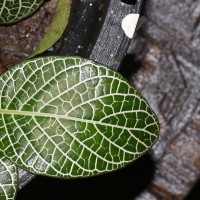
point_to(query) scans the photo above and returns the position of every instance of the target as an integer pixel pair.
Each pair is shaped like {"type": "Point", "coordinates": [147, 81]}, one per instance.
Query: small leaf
{"type": "Point", "coordinates": [16, 10]}
{"type": "Point", "coordinates": [8, 179]}
{"type": "Point", "coordinates": [71, 117]}
{"type": "Point", "coordinates": [56, 28]}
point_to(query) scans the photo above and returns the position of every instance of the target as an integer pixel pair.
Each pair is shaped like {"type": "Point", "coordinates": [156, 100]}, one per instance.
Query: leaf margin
{"type": "Point", "coordinates": [91, 62]}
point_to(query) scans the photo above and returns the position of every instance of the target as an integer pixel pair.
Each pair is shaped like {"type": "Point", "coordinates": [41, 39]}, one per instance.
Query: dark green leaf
{"type": "Point", "coordinates": [8, 179]}
{"type": "Point", "coordinates": [71, 117]}
{"type": "Point", "coordinates": [15, 10]}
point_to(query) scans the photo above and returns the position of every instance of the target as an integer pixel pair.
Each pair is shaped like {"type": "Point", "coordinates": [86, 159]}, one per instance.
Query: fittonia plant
{"type": "Point", "coordinates": [69, 117]}
{"type": "Point", "coordinates": [14, 10]}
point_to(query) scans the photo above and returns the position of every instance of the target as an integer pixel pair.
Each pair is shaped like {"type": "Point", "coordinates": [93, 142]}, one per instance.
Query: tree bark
{"type": "Point", "coordinates": [167, 50]}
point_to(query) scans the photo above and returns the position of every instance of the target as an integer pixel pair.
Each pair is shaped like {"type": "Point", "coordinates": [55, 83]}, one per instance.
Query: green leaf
{"type": "Point", "coordinates": [15, 10]}
{"type": "Point", "coordinates": [56, 28]}
{"type": "Point", "coordinates": [8, 179]}
{"type": "Point", "coordinates": [69, 117]}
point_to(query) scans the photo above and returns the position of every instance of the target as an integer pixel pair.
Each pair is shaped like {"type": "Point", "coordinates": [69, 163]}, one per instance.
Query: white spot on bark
{"type": "Point", "coordinates": [129, 24]}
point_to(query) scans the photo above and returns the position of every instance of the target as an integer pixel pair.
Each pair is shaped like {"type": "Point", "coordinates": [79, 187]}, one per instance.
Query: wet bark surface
{"type": "Point", "coordinates": [19, 40]}
{"type": "Point", "coordinates": [167, 51]}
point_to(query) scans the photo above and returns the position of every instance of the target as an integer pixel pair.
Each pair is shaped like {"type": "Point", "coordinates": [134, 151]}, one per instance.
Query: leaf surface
{"type": "Point", "coordinates": [69, 117]}
{"type": "Point", "coordinates": [8, 179]}
{"type": "Point", "coordinates": [15, 10]}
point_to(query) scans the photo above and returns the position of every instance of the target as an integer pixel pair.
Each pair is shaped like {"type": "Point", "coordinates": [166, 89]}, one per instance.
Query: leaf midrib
{"type": "Point", "coordinates": [58, 116]}
{"type": "Point", "coordinates": [26, 113]}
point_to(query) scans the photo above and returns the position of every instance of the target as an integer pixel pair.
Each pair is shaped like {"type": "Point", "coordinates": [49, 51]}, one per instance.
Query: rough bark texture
{"type": "Point", "coordinates": [167, 50]}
